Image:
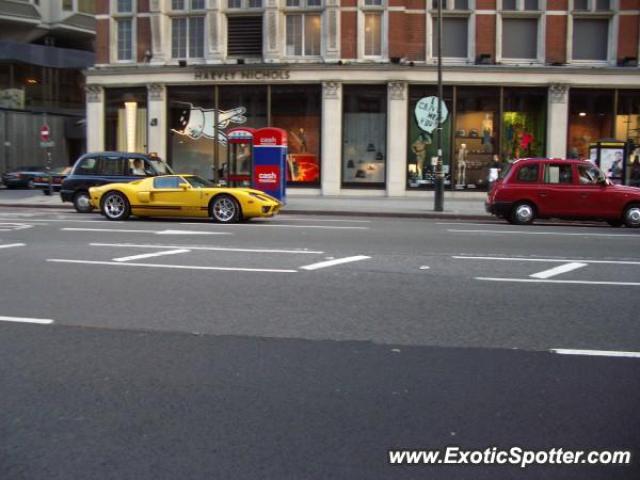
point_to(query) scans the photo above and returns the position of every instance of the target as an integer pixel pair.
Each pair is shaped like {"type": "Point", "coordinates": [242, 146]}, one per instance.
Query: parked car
{"type": "Point", "coordinates": [23, 177]}
{"type": "Point", "coordinates": [100, 168]}
{"type": "Point", "coordinates": [554, 188]}
{"type": "Point", "coordinates": [181, 196]}
{"type": "Point", "coordinates": [57, 174]}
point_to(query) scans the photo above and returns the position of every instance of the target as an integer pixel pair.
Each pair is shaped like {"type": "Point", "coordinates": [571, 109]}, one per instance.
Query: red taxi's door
{"type": "Point", "coordinates": [557, 191]}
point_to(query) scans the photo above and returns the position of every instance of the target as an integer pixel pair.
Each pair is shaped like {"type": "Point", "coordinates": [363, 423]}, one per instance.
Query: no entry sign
{"type": "Point", "coordinates": [44, 133]}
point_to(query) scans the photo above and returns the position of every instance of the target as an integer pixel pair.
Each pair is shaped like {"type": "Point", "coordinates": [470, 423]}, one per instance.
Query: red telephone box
{"type": "Point", "coordinates": [239, 157]}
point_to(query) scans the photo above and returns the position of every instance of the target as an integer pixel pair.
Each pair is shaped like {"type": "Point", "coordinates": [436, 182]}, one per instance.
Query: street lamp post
{"type": "Point", "coordinates": [438, 200]}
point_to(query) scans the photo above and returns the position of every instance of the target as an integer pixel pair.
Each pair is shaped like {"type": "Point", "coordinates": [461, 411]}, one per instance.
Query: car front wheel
{"type": "Point", "coordinates": [81, 202]}
{"type": "Point", "coordinates": [115, 206]}
{"type": "Point", "coordinates": [632, 216]}
{"type": "Point", "coordinates": [225, 209]}
{"type": "Point", "coordinates": [523, 213]}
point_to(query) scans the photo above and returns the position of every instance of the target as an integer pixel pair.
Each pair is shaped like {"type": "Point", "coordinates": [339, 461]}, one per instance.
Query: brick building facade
{"type": "Point", "coordinates": [351, 81]}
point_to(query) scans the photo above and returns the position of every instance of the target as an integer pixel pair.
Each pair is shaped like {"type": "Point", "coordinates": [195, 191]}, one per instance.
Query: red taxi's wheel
{"type": "Point", "coordinates": [225, 209]}
{"type": "Point", "coordinates": [632, 216]}
{"type": "Point", "coordinates": [523, 213]}
{"type": "Point", "coordinates": [115, 206]}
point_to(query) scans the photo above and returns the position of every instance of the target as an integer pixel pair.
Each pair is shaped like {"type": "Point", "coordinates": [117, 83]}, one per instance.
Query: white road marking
{"type": "Point", "coordinates": [596, 353]}
{"type": "Point", "coordinates": [11, 245]}
{"type": "Point", "coordinates": [547, 260]}
{"type": "Point", "coordinates": [40, 321]}
{"type": "Point", "coordinates": [472, 224]}
{"type": "Point", "coordinates": [12, 227]}
{"type": "Point", "coordinates": [149, 255]}
{"type": "Point", "coordinates": [69, 220]}
{"type": "Point", "coordinates": [156, 232]}
{"type": "Point", "coordinates": [330, 220]}
{"type": "Point", "coordinates": [265, 225]}
{"type": "Point", "coordinates": [560, 234]}
{"type": "Point", "coordinates": [552, 272]}
{"type": "Point", "coordinates": [575, 282]}
{"type": "Point", "coordinates": [424, 267]}
{"type": "Point", "coordinates": [337, 261]}
{"type": "Point", "coordinates": [178, 267]}
{"type": "Point", "coordinates": [214, 249]}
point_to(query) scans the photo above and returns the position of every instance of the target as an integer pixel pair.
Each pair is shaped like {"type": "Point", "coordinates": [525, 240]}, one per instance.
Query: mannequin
{"type": "Point", "coordinates": [487, 131]}
{"type": "Point", "coordinates": [462, 165]}
{"type": "Point", "coordinates": [419, 148]}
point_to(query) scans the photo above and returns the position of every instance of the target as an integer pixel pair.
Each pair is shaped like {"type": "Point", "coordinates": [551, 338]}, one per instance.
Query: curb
{"type": "Point", "coordinates": [342, 213]}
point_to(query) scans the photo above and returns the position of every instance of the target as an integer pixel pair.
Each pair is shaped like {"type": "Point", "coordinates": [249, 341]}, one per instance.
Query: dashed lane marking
{"type": "Point", "coordinates": [150, 255]}
{"type": "Point", "coordinates": [559, 234]}
{"type": "Point", "coordinates": [11, 245]}
{"type": "Point", "coordinates": [214, 249]}
{"type": "Point", "coordinates": [155, 232]}
{"type": "Point", "coordinates": [596, 353]}
{"type": "Point", "coordinates": [177, 267]}
{"type": "Point", "coordinates": [39, 321]}
{"type": "Point", "coordinates": [569, 282]}
{"type": "Point", "coordinates": [547, 260]}
{"type": "Point", "coordinates": [337, 261]}
{"type": "Point", "coordinates": [267, 225]}
{"type": "Point", "coordinates": [552, 272]}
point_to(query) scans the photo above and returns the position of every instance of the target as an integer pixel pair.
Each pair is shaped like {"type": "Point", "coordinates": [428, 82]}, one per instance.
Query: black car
{"type": "Point", "coordinates": [100, 168]}
{"type": "Point", "coordinates": [56, 176]}
{"type": "Point", "coordinates": [23, 177]}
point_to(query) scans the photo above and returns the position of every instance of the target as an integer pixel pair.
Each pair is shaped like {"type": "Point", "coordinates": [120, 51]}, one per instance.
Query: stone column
{"type": "Point", "coordinates": [331, 30]}
{"type": "Point", "coordinates": [160, 34]}
{"type": "Point", "coordinates": [331, 144]}
{"type": "Point", "coordinates": [157, 117]}
{"type": "Point", "coordinates": [95, 118]}
{"type": "Point", "coordinates": [557, 120]}
{"type": "Point", "coordinates": [216, 50]}
{"type": "Point", "coordinates": [397, 105]}
{"type": "Point", "coordinates": [271, 37]}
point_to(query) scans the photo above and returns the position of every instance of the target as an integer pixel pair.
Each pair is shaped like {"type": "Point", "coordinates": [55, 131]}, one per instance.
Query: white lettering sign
{"type": "Point", "coordinates": [427, 113]}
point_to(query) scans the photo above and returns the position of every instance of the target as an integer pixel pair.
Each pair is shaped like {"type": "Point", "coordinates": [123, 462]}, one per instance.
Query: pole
{"type": "Point", "coordinates": [438, 199]}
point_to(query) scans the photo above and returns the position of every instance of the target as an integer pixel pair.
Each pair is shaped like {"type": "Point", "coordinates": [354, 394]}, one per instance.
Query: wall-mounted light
{"type": "Point", "coordinates": [583, 114]}
{"type": "Point", "coordinates": [31, 81]}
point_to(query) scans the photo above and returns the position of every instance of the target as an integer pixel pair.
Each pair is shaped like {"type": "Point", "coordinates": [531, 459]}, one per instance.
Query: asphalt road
{"type": "Point", "coordinates": [305, 347]}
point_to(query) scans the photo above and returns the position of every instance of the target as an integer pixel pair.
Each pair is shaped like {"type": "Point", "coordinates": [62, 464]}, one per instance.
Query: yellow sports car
{"type": "Point", "coordinates": [181, 196]}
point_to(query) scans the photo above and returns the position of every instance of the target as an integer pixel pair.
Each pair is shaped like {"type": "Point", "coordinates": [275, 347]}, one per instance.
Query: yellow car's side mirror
{"type": "Point", "coordinates": [184, 186]}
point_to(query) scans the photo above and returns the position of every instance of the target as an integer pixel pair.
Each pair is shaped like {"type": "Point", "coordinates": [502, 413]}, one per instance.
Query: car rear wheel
{"type": "Point", "coordinates": [225, 209]}
{"type": "Point", "coordinates": [81, 202]}
{"type": "Point", "coordinates": [523, 213]}
{"type": "Point", "coordinates": [115, 206]}
{"type": "Point", "coordinates": [632, 216]}
{"type": "Point", "coordinates": [30, 185]}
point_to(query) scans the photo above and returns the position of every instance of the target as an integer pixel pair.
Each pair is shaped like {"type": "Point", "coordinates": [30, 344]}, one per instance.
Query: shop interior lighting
{"type": "Point", "coordinates": [131, 114]}
{"type": "Point", "coordinates": [31, 81]}
{"type": "Point", "coordinates": [583, 114]}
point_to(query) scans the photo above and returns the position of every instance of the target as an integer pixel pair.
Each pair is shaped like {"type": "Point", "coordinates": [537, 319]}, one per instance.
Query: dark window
{"type": "Point", "coordinates": [520, 38]}
{"type": "Point", "coordinates": [531, 4]}
{"type": "Point", "coordinates": [112, 166]}
{"type": "Point", "coordinates": [528, 173]}
{"type": "Point", "coordinates": [603, 5]}
{"type": "Point", "coordinates": [558, 173]}
{"type": "Point", "coordinates": [455, 31]}
{"type": "Point", "coordinates": [244, 36]}
{"type": "Point", "coordinates": [461, 4]}
{"type": "Point", "coordinates": [509, 4]}
{"type": "Point", "coordinates": [166, 182]}
{"type": "Point", "coordinates": [581, 4]}
{"type": "Point", "coordinates": [88, 166]}
{"type": "Point", "coordinates": [590, 39]}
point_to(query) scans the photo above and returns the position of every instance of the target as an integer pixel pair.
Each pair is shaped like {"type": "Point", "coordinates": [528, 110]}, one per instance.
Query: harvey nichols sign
{"type": "Point", "coordinates": [241, 75]}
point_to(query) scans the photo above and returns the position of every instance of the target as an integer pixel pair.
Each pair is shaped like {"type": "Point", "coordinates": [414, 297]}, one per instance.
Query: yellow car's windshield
{"type": "Point", "coordinates": [198, 182]}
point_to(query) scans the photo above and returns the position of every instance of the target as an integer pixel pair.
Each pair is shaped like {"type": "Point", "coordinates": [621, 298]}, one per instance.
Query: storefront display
{"type": "Point", "coordinates": [523, 123]}
{"type": "Point", "coordinates": [590, 119]}
{"type": "Point", "coordinates": [628, 116]}
{"type": "Point", "coordinates": [476, 135]}
{"type": "Point", "coordinates": [422, 130]}
{"type": "Point", "coordinates": [297, 110]}
{"type": "Point", "coordinates": [126, 119]}
{"type": "Point", "coordinates": [364, 135]}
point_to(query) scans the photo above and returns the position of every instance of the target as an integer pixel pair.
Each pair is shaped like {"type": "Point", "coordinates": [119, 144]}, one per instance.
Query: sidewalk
{"type": "Point", "coordinates": [456, 204]}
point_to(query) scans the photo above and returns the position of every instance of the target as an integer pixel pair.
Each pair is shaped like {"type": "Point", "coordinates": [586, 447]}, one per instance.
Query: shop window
{"type": "Point", "coordinates": [303, 35]}
{"type": "Point", "coordinates": [372, 35]}
{"type": "Point", "coordinates": [520, 38]}
{"type": "Point", "coordinates": [244, 36]}
{"type": "Point", "coordinates": [590, 119]}
{"type": "Point", "coordinates": [456, 32]}
{"type": "Point", "coordinates": [628, 116]}
{"type": "Point", "coordinates": [476, 135]}
{"type": "Point", "coordinates": [422, 141]}
{"type": "Point", "coordinates": [126, 119]}
{"type": "Point", "coordinates": [297, 110]}
{"type": "Point", "coordinates": [192, 124]}
{"type": "Point", "coordinates": [523, 123]}
{"type": "Point", "coordinates": [590, 39]}
{"type": "Point", "coordinates": [125, 39]}
{"type": "Point", "coordinates": [364, 131]}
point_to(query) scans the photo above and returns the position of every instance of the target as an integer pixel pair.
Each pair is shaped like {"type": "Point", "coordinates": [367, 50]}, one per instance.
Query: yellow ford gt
{"type": "Point", "coordinates": [181, 196]}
